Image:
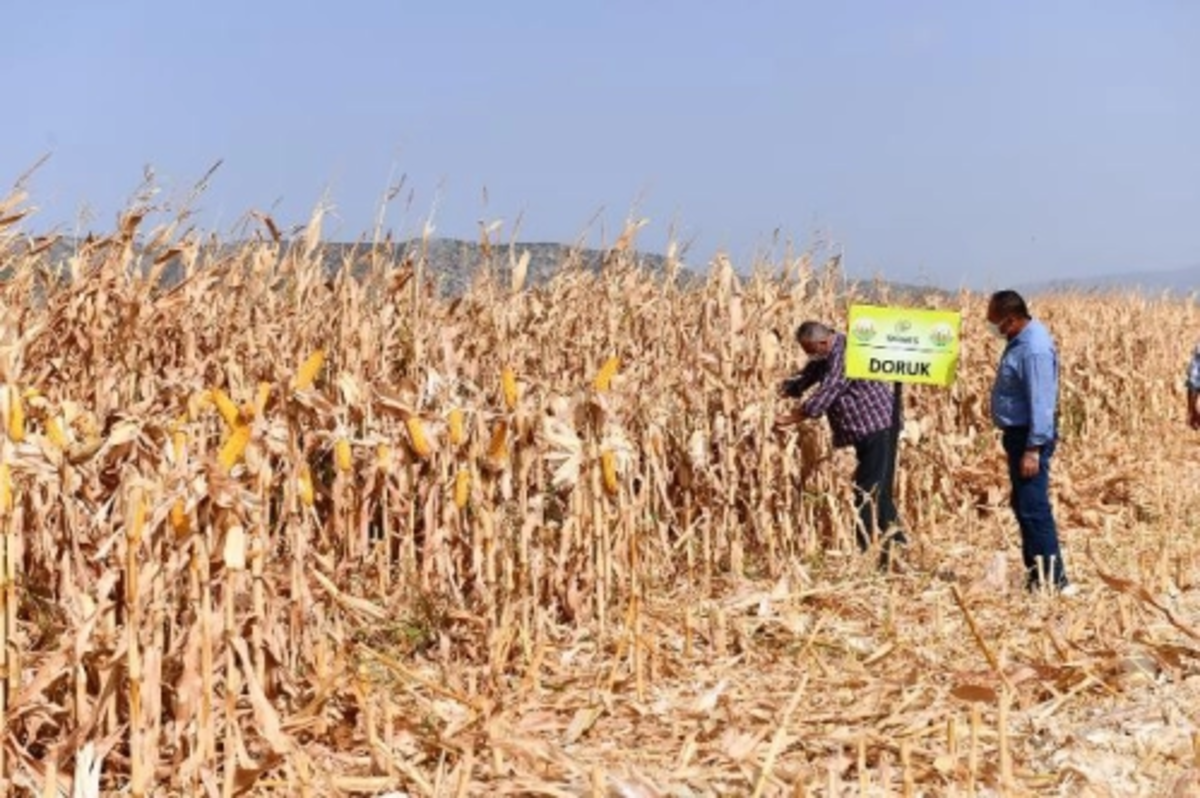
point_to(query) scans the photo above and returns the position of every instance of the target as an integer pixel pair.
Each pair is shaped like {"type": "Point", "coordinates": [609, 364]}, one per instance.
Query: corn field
{"type": "Point", "coordinates": [271, 532]}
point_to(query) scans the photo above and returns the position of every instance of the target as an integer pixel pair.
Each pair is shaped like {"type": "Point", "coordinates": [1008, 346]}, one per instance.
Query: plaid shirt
{"type": "Point", "coordinates": [855, 408]}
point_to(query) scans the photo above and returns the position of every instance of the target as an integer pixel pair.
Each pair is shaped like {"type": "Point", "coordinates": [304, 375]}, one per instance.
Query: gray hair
{"type": "Point", "coordinates": [813, 331]}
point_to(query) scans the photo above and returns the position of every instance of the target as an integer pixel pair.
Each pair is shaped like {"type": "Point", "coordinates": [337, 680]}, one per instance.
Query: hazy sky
{"type": "Point", "coordinates": [961, 141]}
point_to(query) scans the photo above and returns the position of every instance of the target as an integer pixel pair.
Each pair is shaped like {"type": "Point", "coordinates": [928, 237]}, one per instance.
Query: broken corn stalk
{"type": "Point", "coordinates": [261, 398]}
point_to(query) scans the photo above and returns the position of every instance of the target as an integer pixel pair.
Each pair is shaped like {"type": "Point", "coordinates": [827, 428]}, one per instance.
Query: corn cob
{"type": "Point", "coordinates": [225, 406]}
{"type": "Point", "coordinates": [341, 455]}
{"type": "Point", "coordinates": [457, 434]}
{"type": "Point", "coordinates": [234, 447]}
{"type": "Point", "coordinates": [608, 468]}
{"type": "Point", "coordinates": [508, 382]}
{"type": "Point", "coordinates": [462, 488]}
{"type": "Point", "coordinates": [304, 485]}
{"type": "Point", "coordinates": [308, 370]}
{"type": "Point", "coordinates": [498, 446]}
{"type": "Point", "coordinates": [417, 436]}
{"type": "Point", "coordinates": [179, 518]}
{"type": "Point", "coordinates": [16, 415]}
{"type": "Point", "coordinates": [609, 370]}
{"type": "Point", "coordinates": [6, 490]}
{"type": "Point", "coordinates": [54, 432]}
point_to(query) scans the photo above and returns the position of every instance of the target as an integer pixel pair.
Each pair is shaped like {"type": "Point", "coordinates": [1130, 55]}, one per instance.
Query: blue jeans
{"type": "Point", "coordinates": [1030, 502]}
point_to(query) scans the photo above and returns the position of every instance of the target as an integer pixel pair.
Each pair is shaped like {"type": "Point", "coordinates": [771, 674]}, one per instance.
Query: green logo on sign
{"type": "Point", "coordinates": [942, 334]}
{"type": "Point", "coordinates": [864, 329]}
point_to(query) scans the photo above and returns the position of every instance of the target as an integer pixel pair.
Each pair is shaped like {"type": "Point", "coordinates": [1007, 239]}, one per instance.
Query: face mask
{"type": "Point", "coordinates": [994, 329]}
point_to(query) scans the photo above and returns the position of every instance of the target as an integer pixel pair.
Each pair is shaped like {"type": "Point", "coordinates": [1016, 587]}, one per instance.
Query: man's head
{"type": "Point", "coordinates": [1007, 313]}
{"type": "Point", "coordinates": [815, 338]}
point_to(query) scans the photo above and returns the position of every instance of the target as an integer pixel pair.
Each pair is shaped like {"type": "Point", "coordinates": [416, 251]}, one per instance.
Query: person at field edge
{"type": "Point", "coordinates": [1193, 389]}
{"type": "Point", "coordinates": [862, 414]}
{"type": "Point", "coordinates": [1024, 404]}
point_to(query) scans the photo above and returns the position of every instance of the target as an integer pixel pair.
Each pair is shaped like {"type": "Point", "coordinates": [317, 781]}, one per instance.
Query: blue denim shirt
{"type": "Point", "coordinates": [1026, 388]}
{"type": "Point", "coordinates": [1193, 372]}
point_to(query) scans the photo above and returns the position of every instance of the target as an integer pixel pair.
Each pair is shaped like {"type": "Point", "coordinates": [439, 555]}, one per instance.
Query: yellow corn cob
{"type": "Point", "coordinates": [179, 518]}
{"type": "Point", "coordinates": [383, 456]}
{"type": "Point", "coordinates": [417, 436]}
{"type": "Point", "coordinates": [234, 447]}
{"type": "Point", "coordinates": [606, 373]}
{"type": "Point", "coordinates": [462, 488]}
{"type": "Point", "coordinates": [304, 485]}
{"type": "Point", "coordinates": [225, 406]}
{"type": "Point", "coordinates": [308, 370]}
{"type": "Point", "coordinates": [6, 490]}
{"type": "Point", "coordinates": [54, 432]}
{"type": "Point", "coordinates": [260, 400]}
{"type": "Point", "coordinates": [16, 415]}
{"type": "Point", "coordinates": [457, 434]}
{"type": "Point", "coordinates": [498, 446]}
{"type": "Point", "coordinates": [608, 467]}
{"type": "Point", "coordinates": [508, 382]}
{"type": "Point", "coordinates": [341, 455]}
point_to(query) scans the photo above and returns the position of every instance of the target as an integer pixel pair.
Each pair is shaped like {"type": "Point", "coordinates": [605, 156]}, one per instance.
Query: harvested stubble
{"type": "Point", "coordinates": [561, 573]}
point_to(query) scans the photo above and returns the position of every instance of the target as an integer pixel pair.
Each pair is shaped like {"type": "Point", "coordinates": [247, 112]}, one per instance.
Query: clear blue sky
{"type": "Point", "coordinates": [956, 141]}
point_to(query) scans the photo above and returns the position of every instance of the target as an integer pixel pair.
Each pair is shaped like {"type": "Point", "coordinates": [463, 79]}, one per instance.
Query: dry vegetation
{"type": "Point", "coordinates": [446, 555]}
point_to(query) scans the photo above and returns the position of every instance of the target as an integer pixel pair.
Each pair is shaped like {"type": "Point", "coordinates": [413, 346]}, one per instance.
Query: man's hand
{"type": "Point", "coordinates": [1030, 464]}
{"type": "Point", "coordinates": [785, 389]}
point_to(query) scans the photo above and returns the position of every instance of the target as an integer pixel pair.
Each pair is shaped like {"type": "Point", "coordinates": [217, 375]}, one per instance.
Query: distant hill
{"type": "Point", "coordinates": [453, 263]}
{"type": "Point", "coordinates": [450, 263]}
{"type": "Point", "coordinates": [1179, 282]}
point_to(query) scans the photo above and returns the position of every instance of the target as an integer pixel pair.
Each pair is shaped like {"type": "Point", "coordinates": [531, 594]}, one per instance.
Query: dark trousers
{"type": "Point", "coordinates": [1030, 502]}
{"type": "Point", "coordinates": [873, 480]}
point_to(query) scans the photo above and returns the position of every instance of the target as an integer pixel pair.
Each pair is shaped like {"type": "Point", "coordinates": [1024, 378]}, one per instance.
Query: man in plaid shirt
{"type": "Point", "coordinates": [862, 414]}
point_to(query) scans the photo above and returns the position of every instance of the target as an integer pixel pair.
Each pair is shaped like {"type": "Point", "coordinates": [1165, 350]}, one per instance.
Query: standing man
{"type": "Point", "coordinates": [1024, 402]}
{"type": "Point", "coordinates": [862, 414]}
{"type": "Point", "coordinates": [1193, 389]}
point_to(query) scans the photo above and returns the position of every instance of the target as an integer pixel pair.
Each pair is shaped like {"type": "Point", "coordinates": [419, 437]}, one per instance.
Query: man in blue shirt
{"type": "Point", "coordinates": [1024, 401]}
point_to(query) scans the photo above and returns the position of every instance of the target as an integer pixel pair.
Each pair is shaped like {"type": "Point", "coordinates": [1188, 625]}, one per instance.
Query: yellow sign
{"type": "Point", "coordinates": [902, 345]}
